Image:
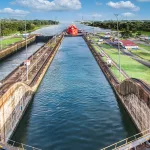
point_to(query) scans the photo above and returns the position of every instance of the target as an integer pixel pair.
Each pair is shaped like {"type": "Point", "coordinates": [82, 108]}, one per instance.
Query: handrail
{"type": "Point", "coordinates": [128, 140]}
{"type": "Point", "coordinates": [16, 145]}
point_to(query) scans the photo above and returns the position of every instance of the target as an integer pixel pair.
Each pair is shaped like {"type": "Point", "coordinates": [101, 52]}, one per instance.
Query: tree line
{"type": "Point", "coordinates": [13, 26]}
{"type": "Point", "coordinates": [126, 28]}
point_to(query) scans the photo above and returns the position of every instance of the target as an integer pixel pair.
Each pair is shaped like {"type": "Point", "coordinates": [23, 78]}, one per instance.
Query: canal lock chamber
{"type": "Point", "coordinates": [75, 106]}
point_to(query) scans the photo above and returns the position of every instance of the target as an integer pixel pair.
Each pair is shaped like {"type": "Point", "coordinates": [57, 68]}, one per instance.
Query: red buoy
{"type": "Point", "coordinates": [72, 30]}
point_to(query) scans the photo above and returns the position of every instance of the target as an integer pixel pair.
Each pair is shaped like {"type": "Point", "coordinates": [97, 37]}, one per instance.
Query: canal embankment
{"type": "Point", "coordinates": [18, 46]}
{"type": "Point", "coordinates": [18, 87]}
{"type": "Point", "coordinates": [133, 93]}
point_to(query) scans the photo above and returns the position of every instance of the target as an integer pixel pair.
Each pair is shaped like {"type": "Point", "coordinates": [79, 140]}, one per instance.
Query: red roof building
{"type": "Point", "coordinates": [128, 44]}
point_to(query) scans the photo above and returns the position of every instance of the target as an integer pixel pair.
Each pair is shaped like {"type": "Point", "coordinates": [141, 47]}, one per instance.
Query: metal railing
{"type": "Point", "coordinates": [13, 145]}
{"type": "Point", "coordinates": [122, 143]}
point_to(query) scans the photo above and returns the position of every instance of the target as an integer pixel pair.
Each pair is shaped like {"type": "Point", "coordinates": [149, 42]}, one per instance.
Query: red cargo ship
{"type": "Point", "coordinates": [72, 30]}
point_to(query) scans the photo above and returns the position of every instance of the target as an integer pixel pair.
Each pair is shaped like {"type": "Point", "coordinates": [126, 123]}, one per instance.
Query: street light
{"type": "Point", "coordinates": [82, 19]}
{"type": "Point", "coordinates": [118, 44]}
{"type": "Point", "coordinates": [26, 50]}
{"type": "Point", "coordinates": [93, 25]}
{"type": "Point", "coordinates": [1, 32]}
{"type": "Point", "coordinates": [55, 28]}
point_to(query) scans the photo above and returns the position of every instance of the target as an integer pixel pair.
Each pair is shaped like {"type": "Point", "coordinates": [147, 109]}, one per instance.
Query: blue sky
{"type": "Point", "coordinates": [70, 10]}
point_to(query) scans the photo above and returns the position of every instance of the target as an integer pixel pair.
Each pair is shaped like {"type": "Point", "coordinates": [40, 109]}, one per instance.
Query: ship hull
{"type": "Point", "coordinates": [72, 30]}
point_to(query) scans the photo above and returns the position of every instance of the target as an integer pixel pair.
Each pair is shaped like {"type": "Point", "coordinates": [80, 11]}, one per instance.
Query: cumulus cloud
{"type": "Point", "coordinates": [128, 14]}
{"type": "Point", "coordinates": [14, 12]}
{"type": "Point", "coordinates": [124, 5]}
{"type": "Point", "coordinates": [46, 5]}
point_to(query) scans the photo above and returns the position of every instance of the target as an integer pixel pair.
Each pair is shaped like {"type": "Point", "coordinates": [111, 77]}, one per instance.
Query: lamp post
{"type": "Point", "coordinates": [27, 69]}
{"type": "Point", "coordinates": [1, 32]}
{"type": "Point", "coordinates": [93, 25]}
{"type": "Point", "coordinates": [82, 19]}
{"type": "Point", "coordinates": [118, 44]}
{"type": "Point", "coordinates": [55, 28]}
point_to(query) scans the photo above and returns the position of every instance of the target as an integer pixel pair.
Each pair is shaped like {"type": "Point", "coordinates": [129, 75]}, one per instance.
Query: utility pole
{"type": "Point", "coordinates": [118, 45]}
{"type": "Point", "coordinates": [27, 69]}
{"type": "Point", "coordinates": [1, 32]}
{"type": "Point", "coordinates": [55, 28]}
{"type": "Point", "coordinates": [93, 25]}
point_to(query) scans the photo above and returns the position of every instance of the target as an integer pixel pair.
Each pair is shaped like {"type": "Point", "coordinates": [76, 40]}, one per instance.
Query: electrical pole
{"type": "Point", "coordinates": [93, 25]}
{"type": "Point", "coordinates": [55, 28]}
{"type": "Point", "coordinates": [26, 50]}
{"type": "Point", "coordinates": [118, 45]}
{"type": "Point", "coordinates": [1, 32]}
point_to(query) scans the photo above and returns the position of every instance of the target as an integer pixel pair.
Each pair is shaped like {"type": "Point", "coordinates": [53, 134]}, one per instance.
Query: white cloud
{"type": "Point", "coordinates": [124, 5]}
{"type": "Point", "coordinates": [46, 5]}
{"type": "Point", "coordinates": [14, 12]}
{"type": "Point", "coordinates": [98, 3]}
{"type": "Point", "coordinates": [128, 14]}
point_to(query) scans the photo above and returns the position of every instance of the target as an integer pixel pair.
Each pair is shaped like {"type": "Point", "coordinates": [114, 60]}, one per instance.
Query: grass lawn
{"type": "Point", "coordinates": [100, 34]}
{"type": "Point", "coordinates": [94, 39]}
{"type": "Point", "coordinates": [7, 42]}
{"type": "Point", "coordinates": [114, 70]}
{"type": "Point", "coordinates": [143, 52]}
{"type": "Point", "coordinates": [133, 68]}
{"type": "Point", "coordinates": [145, 33]}
{"type": "Point", "coordinates": [142, 46]}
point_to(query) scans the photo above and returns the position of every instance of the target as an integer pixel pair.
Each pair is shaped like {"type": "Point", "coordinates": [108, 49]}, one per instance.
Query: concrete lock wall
{"type": "Point", "coordinates": [15, 47]}
{"type": "Point", "coordinates": [12, 106]}
{"type": "Point", "coordinates": [136, 100]}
